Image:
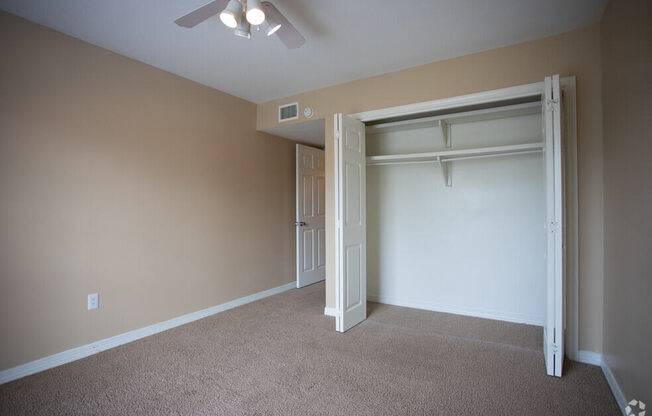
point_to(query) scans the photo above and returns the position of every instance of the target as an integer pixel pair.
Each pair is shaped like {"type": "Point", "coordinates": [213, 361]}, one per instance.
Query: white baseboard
{"type": "Point", "coordinates": [73, 354]}
{"type": "Point", "coordinates": [589, 357]}
{"type": "Point", "coordinates": [329, 311]}
{"type": "Point", "coordinates": [519, 319]}
{"type": "Point", "coordinates": [613, 384]}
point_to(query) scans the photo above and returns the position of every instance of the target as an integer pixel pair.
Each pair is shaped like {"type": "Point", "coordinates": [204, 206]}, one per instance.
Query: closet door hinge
{"type": "Point", "coordinates": [555, 349]}
{"type": "Point", "coordinates": [554, 226]}
{"type": "Point", "coordinates": [552, 104]}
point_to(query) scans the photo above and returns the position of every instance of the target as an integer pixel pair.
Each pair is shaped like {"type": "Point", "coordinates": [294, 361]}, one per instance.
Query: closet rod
{"type": "Point", "coordinates": [458, 153]}
{"type": "Point", "coordinates": [452, 159]}
{"type": "Point", "coordinates": [493, 155]}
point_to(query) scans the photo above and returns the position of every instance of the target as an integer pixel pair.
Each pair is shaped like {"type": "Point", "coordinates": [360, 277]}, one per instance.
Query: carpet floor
{"type": "Point", "coordinates": [282, 356]}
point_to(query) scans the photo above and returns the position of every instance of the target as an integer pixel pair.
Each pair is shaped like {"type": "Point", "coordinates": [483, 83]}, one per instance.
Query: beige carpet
{"type": "Point", "coordinates": [282, 356]}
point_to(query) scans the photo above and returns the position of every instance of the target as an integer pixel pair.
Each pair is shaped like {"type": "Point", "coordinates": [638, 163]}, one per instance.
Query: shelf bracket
{"type": "Point", "coordinates": [443, 126]}
{"type": "Point", "coordinates": [447, 171]}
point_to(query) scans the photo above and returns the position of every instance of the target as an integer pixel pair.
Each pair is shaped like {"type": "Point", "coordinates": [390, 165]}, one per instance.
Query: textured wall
{"type": "Point", "coordinates": [122, 179]}
{"type": "Point", "coordinates": [626, 35]}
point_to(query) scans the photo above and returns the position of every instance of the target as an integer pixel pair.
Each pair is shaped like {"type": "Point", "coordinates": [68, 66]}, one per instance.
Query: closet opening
{"type": "Point", "coordinates": [456, 208]}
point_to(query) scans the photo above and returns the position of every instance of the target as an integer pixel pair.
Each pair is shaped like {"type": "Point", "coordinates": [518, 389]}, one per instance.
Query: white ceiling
{"type": "Point", "coordinates": [345, 39]}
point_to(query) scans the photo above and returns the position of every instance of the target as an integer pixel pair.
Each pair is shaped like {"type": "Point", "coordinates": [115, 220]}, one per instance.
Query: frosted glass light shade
{"type": "Point", "coordinates": [231, 14]}
{"type": "Point", "coordinates": [255, 13]}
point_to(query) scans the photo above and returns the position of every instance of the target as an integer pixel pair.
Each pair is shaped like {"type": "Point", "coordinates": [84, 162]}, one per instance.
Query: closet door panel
{"type": "Point", "coordinates": [553, 333]}
{"type": "Point", "coordinates": [351, 278]}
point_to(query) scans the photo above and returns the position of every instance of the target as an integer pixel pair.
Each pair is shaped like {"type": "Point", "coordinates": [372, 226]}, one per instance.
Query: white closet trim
{"type": "Point", "coordinates": [529, 90]}
{"type": "Point", "coordinates": [510, 93]}
{"type": "Point", "coordinates": [440, 122]}
{"type": "Point", "coordinates": [572, 231]}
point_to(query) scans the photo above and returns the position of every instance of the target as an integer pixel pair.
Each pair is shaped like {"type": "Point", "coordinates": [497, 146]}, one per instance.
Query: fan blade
{"type": "Point", "coordinates": [288, 34]}
{"type": "Point", "coordinates": [204, 12]}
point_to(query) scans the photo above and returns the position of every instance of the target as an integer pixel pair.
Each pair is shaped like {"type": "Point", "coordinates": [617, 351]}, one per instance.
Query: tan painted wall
{"type": "Point", "coordinates": [574, 53]}
{"type": "Point", "coordinates": [627, 67]}
{"type": "Point", "coordinates": [122, 179]}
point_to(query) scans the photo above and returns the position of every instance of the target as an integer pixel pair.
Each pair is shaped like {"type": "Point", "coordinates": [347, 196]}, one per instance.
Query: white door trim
{"type": "Point", "coordinates": [510, 93]}
{"type": "Point", "coordinates": [571, 233]}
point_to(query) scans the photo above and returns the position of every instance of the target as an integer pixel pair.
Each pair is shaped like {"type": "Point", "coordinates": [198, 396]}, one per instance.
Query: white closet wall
{"type": "Point", "coordinates": [475, 248]}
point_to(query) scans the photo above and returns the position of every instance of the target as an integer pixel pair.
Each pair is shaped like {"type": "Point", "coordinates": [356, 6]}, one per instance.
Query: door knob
{"type": "Point", "coordinates": [299, 224]}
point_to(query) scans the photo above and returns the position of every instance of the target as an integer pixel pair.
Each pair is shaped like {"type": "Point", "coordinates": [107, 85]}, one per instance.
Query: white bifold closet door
{"type": "Point", "coordinates": [553, 330]}
{"type": "Point", "coordinates": [351, 245]}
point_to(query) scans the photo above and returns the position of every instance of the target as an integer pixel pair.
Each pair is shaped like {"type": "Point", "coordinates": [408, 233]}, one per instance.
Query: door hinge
{"type": "Point", "coordinates": [555, 349]}
{"type": "Point", "coordinates": [552, 104]}
{"type": "Point", "coordinates": [554, 226]}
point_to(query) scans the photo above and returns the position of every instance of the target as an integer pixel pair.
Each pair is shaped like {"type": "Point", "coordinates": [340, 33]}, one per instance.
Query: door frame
{"type": "Point", "coordinates": [569, 137]}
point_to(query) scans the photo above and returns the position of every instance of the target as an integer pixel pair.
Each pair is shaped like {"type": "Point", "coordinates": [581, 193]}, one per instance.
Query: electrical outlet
{"type": "Point", "coordinates": [93, 301]}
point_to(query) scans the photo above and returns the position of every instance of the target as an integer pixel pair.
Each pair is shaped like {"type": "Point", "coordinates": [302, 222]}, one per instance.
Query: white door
{"type": "Point", "coordinates": [351, 250]}
{"type": "Point", "coordinates": [553, 330]}
{"type": "Point", "coordinates": [311, 216]}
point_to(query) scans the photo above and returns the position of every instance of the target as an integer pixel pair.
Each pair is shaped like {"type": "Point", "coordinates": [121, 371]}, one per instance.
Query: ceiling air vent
{"type": "Point", "coordinates": [288, 112]}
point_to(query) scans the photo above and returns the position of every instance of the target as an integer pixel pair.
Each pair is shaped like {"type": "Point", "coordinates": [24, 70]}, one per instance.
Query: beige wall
{"type": "Point", "coordinates": [122, 179]}
{"type": "Point", "coordinates": [574, 53]}
{"type": "Point", "coordinates": [627, 67]}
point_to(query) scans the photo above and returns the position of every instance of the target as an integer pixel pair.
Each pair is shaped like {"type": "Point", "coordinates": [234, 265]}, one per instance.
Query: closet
{"type": "Point", "coordinates": [455, 207]}
{"type": "Point", "coordinates": [454, 211]}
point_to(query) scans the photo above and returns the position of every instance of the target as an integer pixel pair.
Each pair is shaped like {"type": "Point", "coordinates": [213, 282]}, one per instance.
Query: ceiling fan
{"type": "Point", "coordinates": [240, 15]}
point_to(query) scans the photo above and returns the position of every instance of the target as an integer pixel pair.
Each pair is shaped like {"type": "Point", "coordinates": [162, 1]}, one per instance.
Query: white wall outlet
{"type": "Point", "coordinates": [93, 301]}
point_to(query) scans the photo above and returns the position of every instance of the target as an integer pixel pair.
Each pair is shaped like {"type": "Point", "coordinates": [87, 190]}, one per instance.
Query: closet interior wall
{"type": "Point", "coordinates": [475, 247]}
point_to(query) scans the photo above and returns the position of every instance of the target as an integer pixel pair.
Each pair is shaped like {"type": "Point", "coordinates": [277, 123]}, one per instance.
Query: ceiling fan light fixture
{"type": "Point", "coordinates": [231, 14]}
{"type": "Point", "coordinates": [270, 26]}
{"type": "Point", "coordinates": [255, 13]}
{"type": "Point", "coordinates": [243, 29]}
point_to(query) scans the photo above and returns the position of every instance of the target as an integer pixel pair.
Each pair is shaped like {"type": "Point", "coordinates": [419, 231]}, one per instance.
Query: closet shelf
{"type": "Point", "coordinates": [441, 121]}
{"type": "Point", "coordinates": [452, 155]}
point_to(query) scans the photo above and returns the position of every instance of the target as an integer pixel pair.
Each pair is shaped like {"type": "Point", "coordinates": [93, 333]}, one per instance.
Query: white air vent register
{"type": "Point", "coordinates": [288, 112]}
